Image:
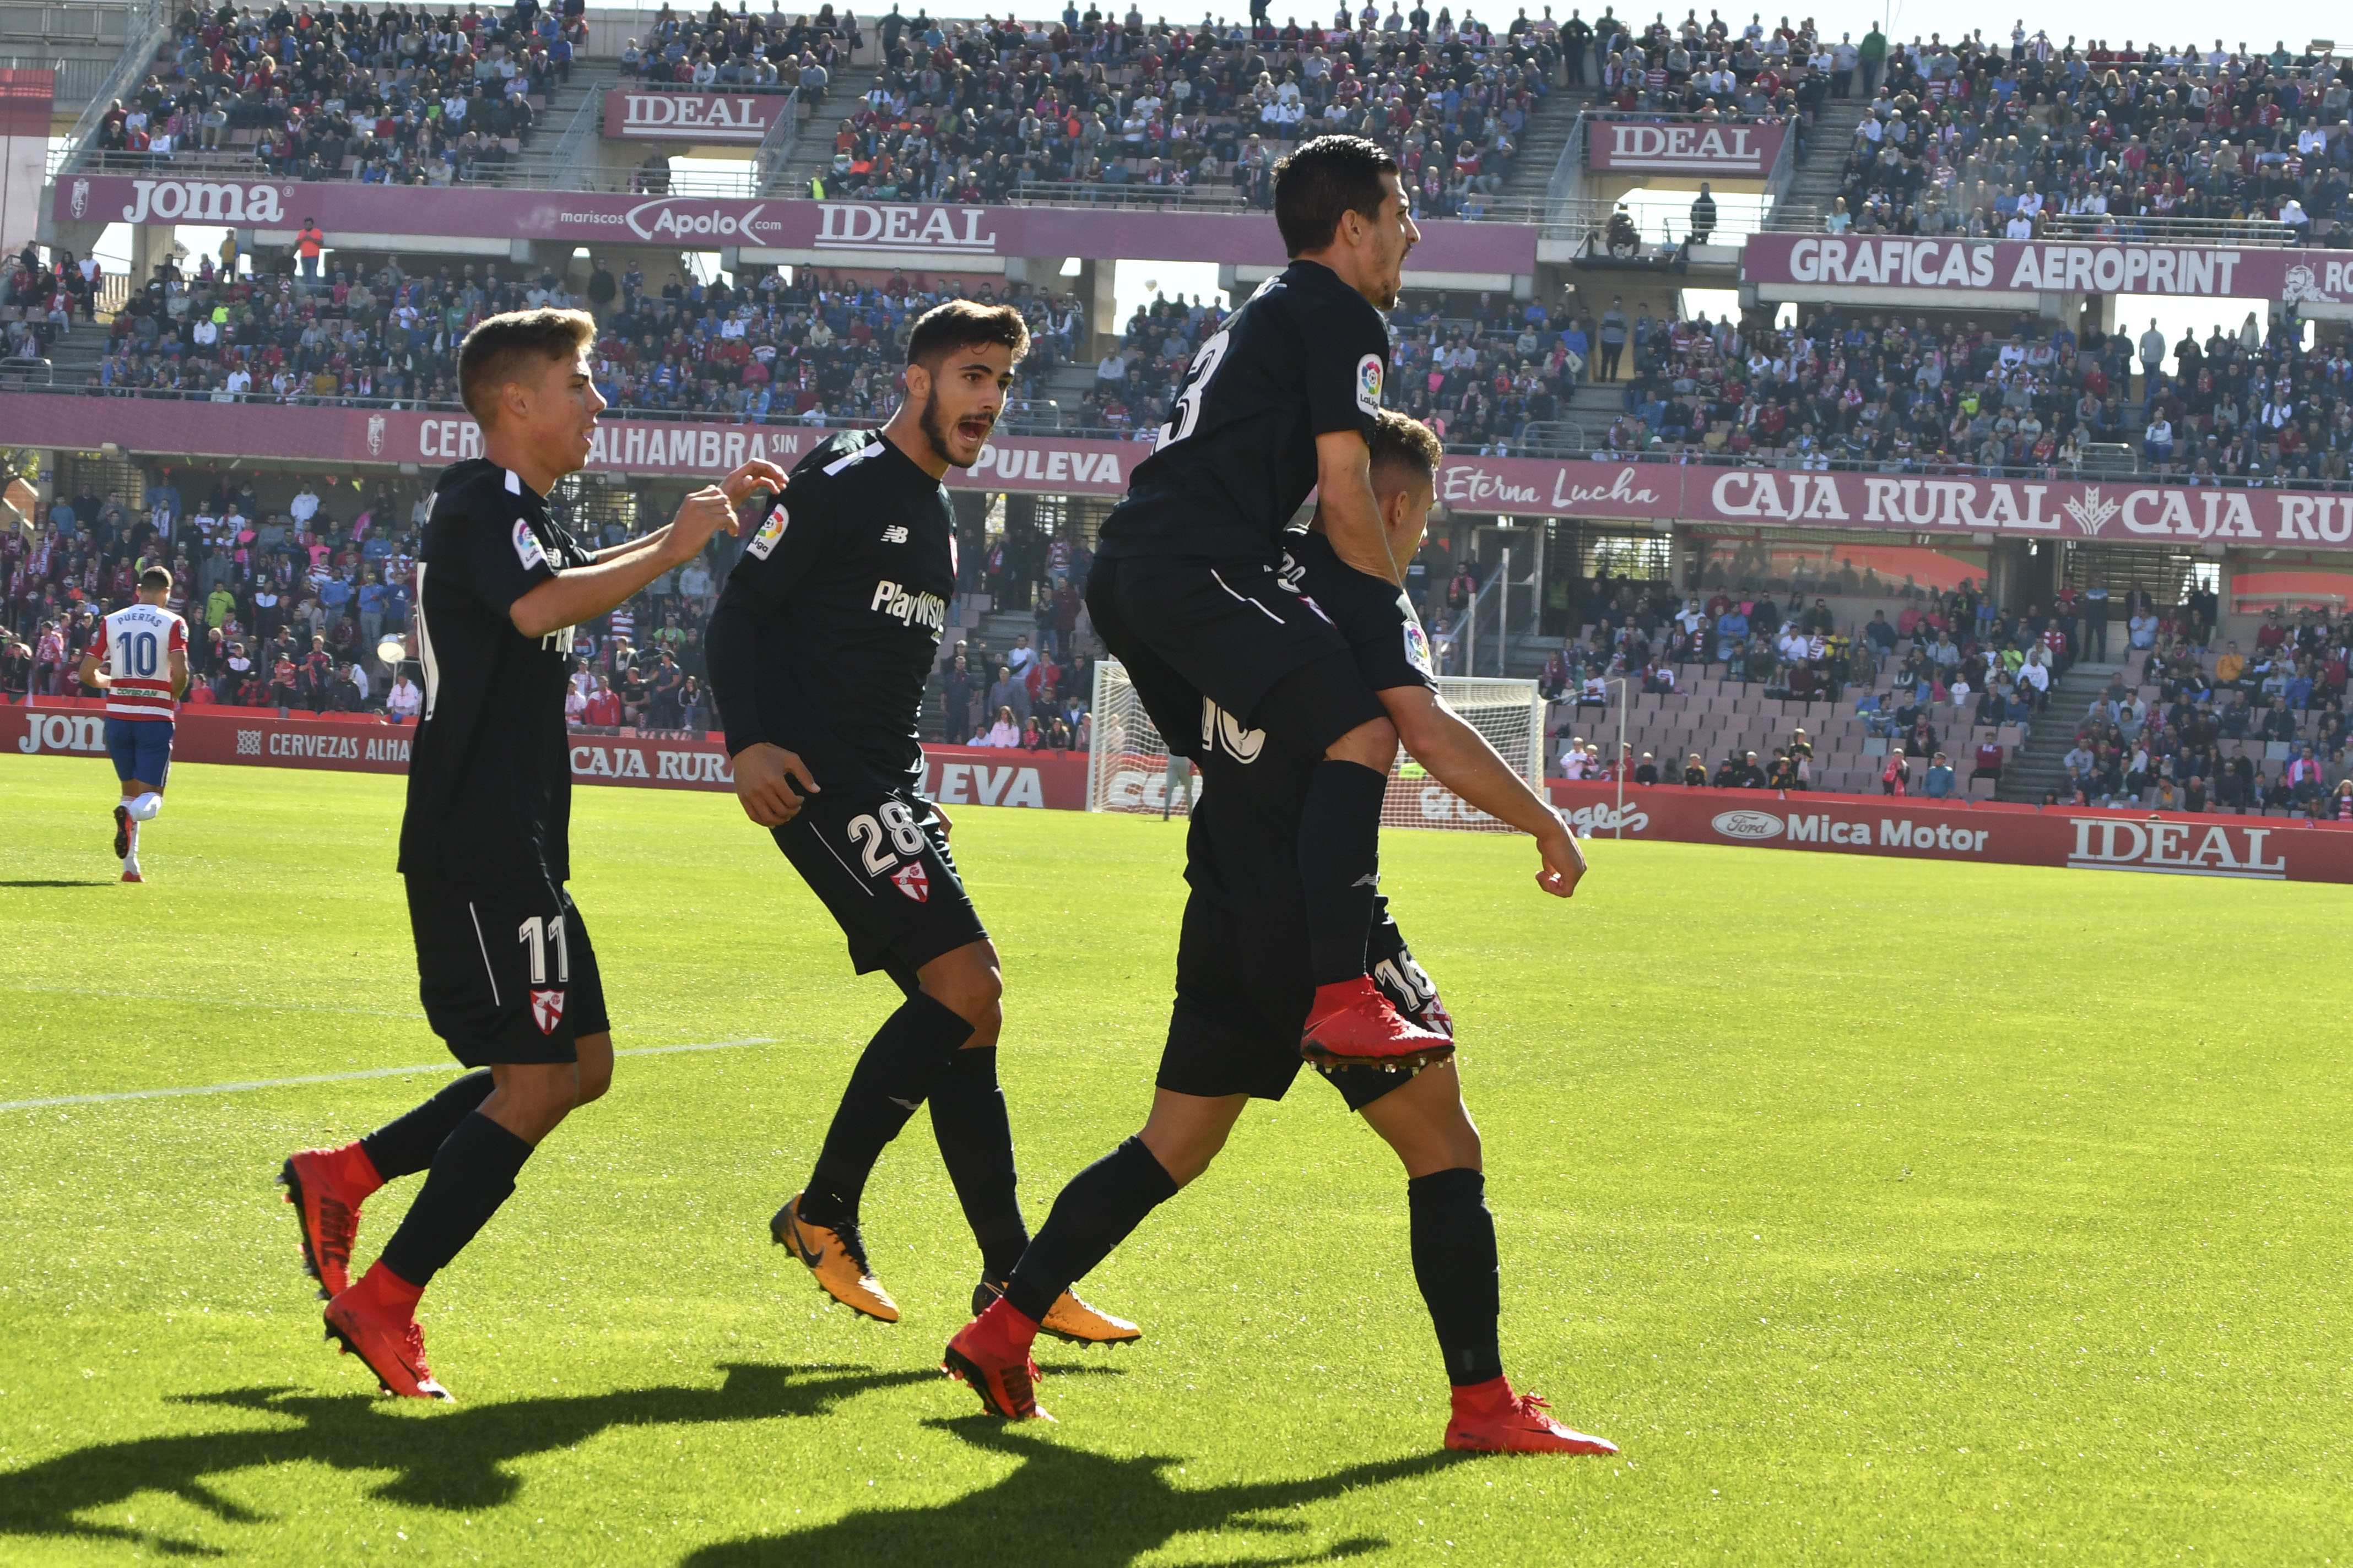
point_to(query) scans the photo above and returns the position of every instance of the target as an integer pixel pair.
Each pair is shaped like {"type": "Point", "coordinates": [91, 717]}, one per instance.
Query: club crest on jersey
{"type": "Point", "coordinates": [547, 1010]}
{"type": "Point", "coordinates": [770, 531]}
{"type": "Point", "coordinates": [1368, 384]}
{"type": "Point", "coordinates": [1417, 646]}
{"type": "Point", "coordinates": [527, 546]}
{"type": "Point", "coordinates": [911, 880]}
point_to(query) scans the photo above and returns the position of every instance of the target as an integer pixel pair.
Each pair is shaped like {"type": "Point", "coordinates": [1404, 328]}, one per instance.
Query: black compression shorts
{"type": "Point", "coordinates": [880, 862]}
{"type": "Point", "coordinates": [505, 970]}
{"type": "Point", "coordinates": [1243, 994]}
{"type": "Point", "coordinates": [1232, 632]}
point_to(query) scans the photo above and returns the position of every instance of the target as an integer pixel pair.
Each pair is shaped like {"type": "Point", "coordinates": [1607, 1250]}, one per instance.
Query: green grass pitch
{"type": "Point", "coordinates": [1882, 1212]}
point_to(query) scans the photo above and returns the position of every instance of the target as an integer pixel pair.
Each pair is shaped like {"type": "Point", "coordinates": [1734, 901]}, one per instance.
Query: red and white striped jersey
{"type": "Point", "coordinates": [134, 646]}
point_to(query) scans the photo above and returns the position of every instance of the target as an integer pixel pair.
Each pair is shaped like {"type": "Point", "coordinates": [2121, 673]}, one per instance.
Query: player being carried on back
{"type": "Point", "coordinates": [1185, 593]}
{"type": "Point", "coordinates": [140, 661]}
{"type": "Point", "coordinates": [1243, 985]}
{"type": "Point", "coordinates": [818, 650]}
{"type": "Point", "coordinates": [504, 965]}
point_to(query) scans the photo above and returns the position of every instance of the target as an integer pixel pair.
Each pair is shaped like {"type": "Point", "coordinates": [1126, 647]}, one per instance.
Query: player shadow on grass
{"type": "Point", "coordinates": [458, 1459]}
{"type": "Point", "coordinates": [1065, 1506]}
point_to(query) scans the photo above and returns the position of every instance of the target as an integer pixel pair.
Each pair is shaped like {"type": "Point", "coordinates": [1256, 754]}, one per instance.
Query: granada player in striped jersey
{"type": "Point", "coordinates": [140, 661]}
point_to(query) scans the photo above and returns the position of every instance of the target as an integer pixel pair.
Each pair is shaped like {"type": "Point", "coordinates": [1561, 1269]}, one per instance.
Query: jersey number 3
{"type": "Point", "coordinates": [1188, 411]}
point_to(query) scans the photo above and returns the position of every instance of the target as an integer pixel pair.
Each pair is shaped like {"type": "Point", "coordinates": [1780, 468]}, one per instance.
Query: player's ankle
{"type": "Point", "coordinates": [354, 1170]}
{"type": "Point", "coordinates": [1495, 1390]}
{"type": "Point", "coordinates": [1009, 1322]}
{"type": "Point", "coordinates": [389, 1291]}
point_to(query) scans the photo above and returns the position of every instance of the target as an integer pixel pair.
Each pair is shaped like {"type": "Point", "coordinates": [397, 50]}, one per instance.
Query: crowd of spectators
{"type": "Point", "coordinates": [1753, 74]}
{"type": "Point", "coordinates": [814, 350]}
{"type": "Point", "coordinates": [982, 112]}
{"type": "Point", "coordinates": [734, 51]}
{"type": "Point", "coordinates": [2241, 405]}
{"type": "Point", "coordinates": [391, 94]}
{"type": "Point", "coordinates": [1973, 139]}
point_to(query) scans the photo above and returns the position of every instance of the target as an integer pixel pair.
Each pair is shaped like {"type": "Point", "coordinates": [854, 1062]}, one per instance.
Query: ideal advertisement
{"type": "Point", "coordinates": [632, 114]}
{"type": "Point", "coordinates": [952, 775]}
{"type": "Point", "coordinates": [1682, 147]}
{"type": "Point", "coordinates": [848, 229]}
{"type": "Point", "coordinates": [2263, 848]}
{"type": "Point", "coordinates": [2036, 267]}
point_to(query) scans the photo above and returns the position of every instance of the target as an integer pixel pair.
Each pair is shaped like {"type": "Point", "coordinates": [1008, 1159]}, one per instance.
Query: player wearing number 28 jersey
{"type": "Point", "coordinates": [1186, 592]}
{"type": "Point", "coordinates": [504, 965]}
{"type": "Point", "coordinates": [820, 647]}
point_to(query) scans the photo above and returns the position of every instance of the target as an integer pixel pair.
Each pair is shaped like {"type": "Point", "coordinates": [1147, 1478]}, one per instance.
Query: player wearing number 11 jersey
{"type": "Point", "coordinates": [504, 966]}
{"type": "Point", "coordinates": [819, 651]}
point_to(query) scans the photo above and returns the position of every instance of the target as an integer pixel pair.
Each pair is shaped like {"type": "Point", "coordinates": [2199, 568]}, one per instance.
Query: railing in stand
{"type": "Point", "coordinates": [776, 147]}
{"type": "Point", "coordinates": [148, 31]}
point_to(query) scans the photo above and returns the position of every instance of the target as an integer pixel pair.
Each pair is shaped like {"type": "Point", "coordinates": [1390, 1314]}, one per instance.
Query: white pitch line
{"type": "Point", "coordinates": [332, 1077]}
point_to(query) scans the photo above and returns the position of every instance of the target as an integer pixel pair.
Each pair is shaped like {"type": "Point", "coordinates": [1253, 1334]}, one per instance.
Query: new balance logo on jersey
{"type": "Point", "coordinates": [926, 610]}
{"type": "Point", "coordinates": [547, 1010]}
{"type": "Point", "coordinates": [895, 534]}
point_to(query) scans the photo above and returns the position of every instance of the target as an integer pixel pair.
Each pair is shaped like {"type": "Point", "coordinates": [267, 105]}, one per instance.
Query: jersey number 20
{"type": "Point", "coordinates": [1188, 411]}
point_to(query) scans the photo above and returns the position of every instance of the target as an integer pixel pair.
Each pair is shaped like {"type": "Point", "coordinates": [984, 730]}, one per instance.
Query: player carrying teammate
{"type": "Point", "coordinates": [140, 661]}
{"type": "Point", "coordinates": [506, 968]}
{"type": "Point", "coordinates": [818, 650]}
{"type": "Point", "coordinates": [1242, 986]}
{"type": "Point", "coordinates": [1184, 592]}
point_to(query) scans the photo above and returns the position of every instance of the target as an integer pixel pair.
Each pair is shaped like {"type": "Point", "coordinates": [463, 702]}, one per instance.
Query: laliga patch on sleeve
{"type": "Point", "coordinates": [1368, 384]}
{"type": "Point", "coordinates": [1417, 647]}
{"type": "Point", "coordinates": [765, 541]}
{"type": "Point", "coordinates": [527, 546]}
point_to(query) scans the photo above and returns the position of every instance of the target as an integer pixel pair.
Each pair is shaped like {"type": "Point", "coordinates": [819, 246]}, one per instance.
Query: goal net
{"type": "Point", "coordinates": [1127, 761]}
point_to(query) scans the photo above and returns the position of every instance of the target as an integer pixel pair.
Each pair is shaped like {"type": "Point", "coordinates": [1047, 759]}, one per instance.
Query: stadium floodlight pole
{"type": "Point", "coordinates": [1504, 618]}
{"type": "Point", "coordinates": [1620, 832]}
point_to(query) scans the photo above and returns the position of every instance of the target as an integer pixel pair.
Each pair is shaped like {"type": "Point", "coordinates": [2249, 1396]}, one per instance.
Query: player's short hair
{"type": "Point", "coordinates": [514, 345]}
{"type": "Point", "coordinates": [962, 325]}
{"type": "Point", "coordinates": [1326, 177]}
{"type": "Point", "coordinates": [1399, 441]}
{"type": "Point", "coordinates": [155, 577]}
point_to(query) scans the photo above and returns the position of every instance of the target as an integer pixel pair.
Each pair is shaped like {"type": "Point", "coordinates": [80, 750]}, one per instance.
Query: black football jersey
{"type": "Point", "coordinates": [831, 619]}
{"type": "Point", "coordinates": [1305, 356]}
{"type": "Point", "coordinates": [1241, 845]}
{"type": "Point", "coordinates": [490, 772]}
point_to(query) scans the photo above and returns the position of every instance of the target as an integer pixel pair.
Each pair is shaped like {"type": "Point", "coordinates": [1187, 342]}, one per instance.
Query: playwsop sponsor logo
{"type": "Point", "coordinates": [2174, 849]}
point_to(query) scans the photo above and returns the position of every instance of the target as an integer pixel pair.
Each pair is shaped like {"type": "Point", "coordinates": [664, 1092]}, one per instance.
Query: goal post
{"type": "Point", "coordinates": [1127, 760]}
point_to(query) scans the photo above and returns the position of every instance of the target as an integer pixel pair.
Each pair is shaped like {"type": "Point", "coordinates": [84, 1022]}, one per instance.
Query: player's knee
{"type": "Point", "coordinates": [1373, 744]}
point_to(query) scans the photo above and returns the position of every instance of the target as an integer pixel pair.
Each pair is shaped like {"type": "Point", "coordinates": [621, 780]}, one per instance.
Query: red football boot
{"type": "Point", "coordinates": [1489, 1418]}
{"type": "Point", "coordinates": [1353, 1024]}
{"type": "Point", "coordinates": [326, 1187]}
{"type": "Point", "coordinates": [990, 1355]}
{"type": "Point", "coordinates": [375, 1321]}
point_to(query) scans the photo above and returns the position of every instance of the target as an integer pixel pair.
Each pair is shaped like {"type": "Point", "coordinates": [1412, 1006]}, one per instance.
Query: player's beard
{"type": "Point", "coordinates": [936, 433]}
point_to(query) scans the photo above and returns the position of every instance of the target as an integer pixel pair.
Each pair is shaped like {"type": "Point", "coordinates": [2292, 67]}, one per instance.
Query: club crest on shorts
{"type": "Point", "coordinates": [1368, 384]}
{"type": "Point", "coordinates": [911, 880]}
{"type": "Point", "coordinates": [547, 1010]}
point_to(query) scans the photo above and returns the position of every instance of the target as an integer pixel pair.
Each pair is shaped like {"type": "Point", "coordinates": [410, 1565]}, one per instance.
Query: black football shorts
{"type": "Point", "coordinates": [505, 970]}
{"type": "Point", "coordinates": [1232, 632]}
{"type": "Point", "coordinates": [879, 860]}
{"type": "Point", "coordinates": [1243, 994]}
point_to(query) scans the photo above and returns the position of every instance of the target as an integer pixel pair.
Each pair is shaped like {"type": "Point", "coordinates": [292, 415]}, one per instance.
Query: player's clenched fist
{"type": "Point", "coordinates": [758, 474]}
{"type": "Point", "coordinates": [1564, 862]}
{"type": "Point", "coordinates": [771, 783]}
{"type": "Point", "coordinates": [701, 514]}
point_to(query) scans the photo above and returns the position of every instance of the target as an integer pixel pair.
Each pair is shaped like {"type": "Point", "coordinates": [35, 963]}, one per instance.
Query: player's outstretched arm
{"type": "Point", "coordinates": [746, 482]}
{"type": "Point", "coordinates": [1351, 512]}
{"type": "Point", "coordinates": [582, 592]}
{"type": "Point", "coordinates": [1459, 757]}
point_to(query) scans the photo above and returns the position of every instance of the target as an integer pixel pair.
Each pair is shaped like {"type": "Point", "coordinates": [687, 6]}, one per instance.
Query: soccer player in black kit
{"type": "Point", "coordinates": [1185, 592]}
{"type": "Point", "coordinates": [504, 965]}
{"type": "Point", "coordinates": [818, 650]}
{"type": "Point", "coordinates": [1243, 985]}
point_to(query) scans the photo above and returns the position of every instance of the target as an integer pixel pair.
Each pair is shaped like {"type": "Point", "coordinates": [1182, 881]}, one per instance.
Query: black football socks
{"type": "Point", "coordinates": [1094, 1215]}
{"type": "Point", "coordinates": [472, 1173]}
{"type": "Point", "coordinates": [977, 1145]}
{"type": "Point", "coordinates": [1454, 1263]}
{"type": "Point", "coordinates": [895, 1074]}
{"type": "Point", "coordinates": [1340, 865]}
{"type": "Point", "coordinates": [406, 1145]}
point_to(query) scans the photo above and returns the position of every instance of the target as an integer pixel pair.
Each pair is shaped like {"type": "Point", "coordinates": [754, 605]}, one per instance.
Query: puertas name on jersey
{"type": "Point", "coordinates": [926, 610]}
